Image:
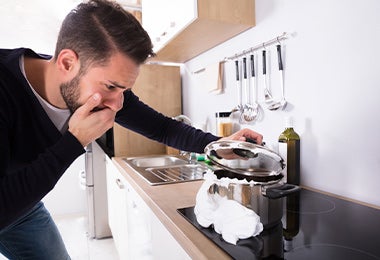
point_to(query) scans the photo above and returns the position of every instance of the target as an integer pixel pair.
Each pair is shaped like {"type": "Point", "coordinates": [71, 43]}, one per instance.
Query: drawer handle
{"type": "Point", "coordinates": [120, 184]}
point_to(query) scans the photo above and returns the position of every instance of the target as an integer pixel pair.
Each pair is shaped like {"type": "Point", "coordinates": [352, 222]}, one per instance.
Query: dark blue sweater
{"type": "Point", "coordinates": [34, 154]}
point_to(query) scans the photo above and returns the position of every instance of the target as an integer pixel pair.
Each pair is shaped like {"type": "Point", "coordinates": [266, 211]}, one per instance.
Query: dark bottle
{"type": "Point", "coordinates": [289, 149]}
{"type": "Point", "coordinates": [291, 220]}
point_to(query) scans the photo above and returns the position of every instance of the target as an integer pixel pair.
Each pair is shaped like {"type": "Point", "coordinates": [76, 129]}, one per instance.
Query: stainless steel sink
{"type": "Point", "coordinates": [165, 169]}
{"type": "Point", "coordinates": [157, 161]}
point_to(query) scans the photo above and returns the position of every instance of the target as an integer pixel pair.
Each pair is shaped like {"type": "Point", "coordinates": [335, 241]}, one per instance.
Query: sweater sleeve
{"type": "Point", "coordinates": [26, 185]}
{"type": "Point", "coordinates": [139, 117]}
{"type": "Point", "coordinates": [33, 154]}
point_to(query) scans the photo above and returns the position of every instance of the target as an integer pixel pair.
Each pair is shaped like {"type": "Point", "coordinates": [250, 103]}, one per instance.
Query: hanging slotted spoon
{"type": "Point", "coordinates": [253, 111]}
{"type": "Point", "coordinates": [249, 112]}
{"type": "Point", "coordinates": [267, 93]}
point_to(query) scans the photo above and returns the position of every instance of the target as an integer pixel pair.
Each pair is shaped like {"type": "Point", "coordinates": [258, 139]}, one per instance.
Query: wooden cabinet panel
{"type": "Point", "coordinates": [214, 23]}
{"type": "Point", "coordinates": [159, 87]}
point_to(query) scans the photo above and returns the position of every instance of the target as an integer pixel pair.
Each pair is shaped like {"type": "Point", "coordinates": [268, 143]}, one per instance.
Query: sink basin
{"type": "Point", "coordinates": [157, 161]}
{"type": "Point", "coordinates": [165, 169]}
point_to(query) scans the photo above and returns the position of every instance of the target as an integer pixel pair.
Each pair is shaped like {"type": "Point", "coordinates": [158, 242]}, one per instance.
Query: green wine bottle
{"type": "Point", "coordinates": [289, 149]}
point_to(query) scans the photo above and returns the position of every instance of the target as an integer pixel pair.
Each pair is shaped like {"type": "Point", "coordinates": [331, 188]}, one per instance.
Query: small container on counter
{"type": "Point", "coordinates": [223, 124]}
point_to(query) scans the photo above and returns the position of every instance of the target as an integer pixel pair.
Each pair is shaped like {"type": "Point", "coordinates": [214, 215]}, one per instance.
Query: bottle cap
{"type": "Point", "coordinates": [222, 114]}
{"type": "Point", "coordinates": [289, 122]}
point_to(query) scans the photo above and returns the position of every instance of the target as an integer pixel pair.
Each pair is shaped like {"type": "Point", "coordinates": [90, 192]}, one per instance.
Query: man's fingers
{"type": "Point", "coordinates": [243, 134]}
{"type": "Point", "coordinates": [91, 103]}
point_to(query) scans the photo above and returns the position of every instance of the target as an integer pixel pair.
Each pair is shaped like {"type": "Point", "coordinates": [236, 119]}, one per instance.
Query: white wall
{"type": "Point", "coordinates": [331, 81]}
{"type": "Point", "coordinates": [35, 24]}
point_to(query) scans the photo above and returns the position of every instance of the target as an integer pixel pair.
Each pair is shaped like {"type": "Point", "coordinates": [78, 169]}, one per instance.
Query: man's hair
{"type": "Point", "coordinates": [97, 29]}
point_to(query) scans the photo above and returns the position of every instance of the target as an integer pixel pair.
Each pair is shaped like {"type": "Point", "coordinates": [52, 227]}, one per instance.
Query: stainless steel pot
{"type": "Point", "coordinates": [264, 190]}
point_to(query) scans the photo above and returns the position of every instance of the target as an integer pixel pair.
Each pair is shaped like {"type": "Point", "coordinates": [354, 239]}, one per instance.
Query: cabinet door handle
{"type": "Point", "coordinates": [120, 184]}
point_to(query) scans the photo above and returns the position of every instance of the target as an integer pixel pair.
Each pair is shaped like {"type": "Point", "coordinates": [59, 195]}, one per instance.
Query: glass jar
{"type": "Point", "coordinates": [223, 124]}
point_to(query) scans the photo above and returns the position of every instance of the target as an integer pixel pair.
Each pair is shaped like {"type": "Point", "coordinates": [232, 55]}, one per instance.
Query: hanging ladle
{"type": "Point", "coordinates": [282, 103]}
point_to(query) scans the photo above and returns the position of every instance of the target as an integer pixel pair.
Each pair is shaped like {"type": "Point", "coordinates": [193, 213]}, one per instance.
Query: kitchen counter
{"type": "Point", "coordinates": [164, 200]}
{"type": "Point", "coordinates": [329, 226]}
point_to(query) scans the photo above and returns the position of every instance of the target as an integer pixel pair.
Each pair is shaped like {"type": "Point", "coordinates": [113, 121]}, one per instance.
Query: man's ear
{"type": "Point", "coordinates": [68, 63]}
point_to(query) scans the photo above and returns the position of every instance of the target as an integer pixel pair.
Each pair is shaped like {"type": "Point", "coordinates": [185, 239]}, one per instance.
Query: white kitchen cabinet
{"type": "Point", "coordinates": [129, 217]}
{"type": "Point", "coordinates": [164, 246]}
{"type": "Point", "coordinates": [139, 227]}
{"type": "Point", "coordinates": [117, 208]}
{"type": "Point", "coordinates": [136, 230]}
{"type": "Point", "coordinates": [164, 19]}
{"type": "Point", "coordinates": [181, 30]}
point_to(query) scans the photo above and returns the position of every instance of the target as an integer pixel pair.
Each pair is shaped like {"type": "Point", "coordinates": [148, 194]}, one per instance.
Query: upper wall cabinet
{"type": "Point", "coordinates": [181, 30]}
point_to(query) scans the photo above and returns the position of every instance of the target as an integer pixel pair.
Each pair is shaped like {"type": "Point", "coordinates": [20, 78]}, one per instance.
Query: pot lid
{"type": "Point", "coordinates": [245, 158]}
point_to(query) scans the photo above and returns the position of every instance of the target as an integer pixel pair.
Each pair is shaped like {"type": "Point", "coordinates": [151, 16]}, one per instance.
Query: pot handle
{"type": "Point", "coordinates": [281, 191]}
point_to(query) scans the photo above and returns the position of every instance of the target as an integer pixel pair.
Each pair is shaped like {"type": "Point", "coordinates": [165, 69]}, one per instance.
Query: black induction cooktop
{"type": "Point", "coordinates": [314, 226]}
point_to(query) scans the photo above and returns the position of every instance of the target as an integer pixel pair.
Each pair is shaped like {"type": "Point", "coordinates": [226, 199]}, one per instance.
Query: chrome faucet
{"type": "Point", "coordinates": [190, 156]}
{"type": "Point", "coordinates": [183, 119]}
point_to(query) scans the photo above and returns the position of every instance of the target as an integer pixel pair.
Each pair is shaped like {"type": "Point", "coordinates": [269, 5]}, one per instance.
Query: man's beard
{"type": "Point", "coordinates": [70, 93]}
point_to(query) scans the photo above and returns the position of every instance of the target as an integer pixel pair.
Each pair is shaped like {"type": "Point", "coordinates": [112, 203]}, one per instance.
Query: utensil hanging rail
{"type": "Point", "coordinates": [263, 45]}
{"type": "Point", "coordinates": [275, 40]}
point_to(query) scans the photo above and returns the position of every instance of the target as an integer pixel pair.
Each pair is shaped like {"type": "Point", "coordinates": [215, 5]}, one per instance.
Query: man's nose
{"type": "Point", "coordinates": [114, 102]}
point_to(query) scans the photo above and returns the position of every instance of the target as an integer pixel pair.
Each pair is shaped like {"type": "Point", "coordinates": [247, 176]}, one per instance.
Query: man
{"type": "Point", "coordinates": [52, 107]}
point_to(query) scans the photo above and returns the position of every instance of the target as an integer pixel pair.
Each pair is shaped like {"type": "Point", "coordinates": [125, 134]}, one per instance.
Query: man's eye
{"type": "Point", "coordinates": [110, 87]}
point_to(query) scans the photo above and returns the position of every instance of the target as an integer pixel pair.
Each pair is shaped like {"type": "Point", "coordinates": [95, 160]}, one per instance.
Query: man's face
{"type": "Point", "coordinates": [109, 81]}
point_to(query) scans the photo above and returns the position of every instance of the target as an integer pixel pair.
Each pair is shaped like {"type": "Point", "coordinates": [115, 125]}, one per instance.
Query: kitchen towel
{"type": "Point", "coordinates": [211, 77]}
{"type": "Point", "coordinates": [229, 218]}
